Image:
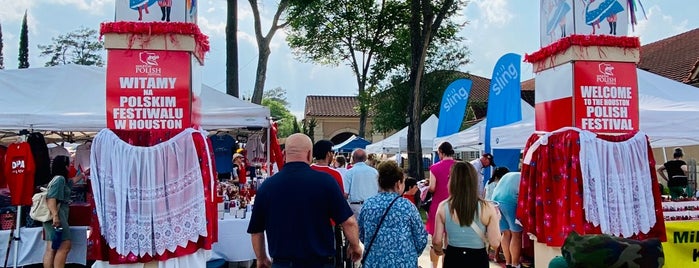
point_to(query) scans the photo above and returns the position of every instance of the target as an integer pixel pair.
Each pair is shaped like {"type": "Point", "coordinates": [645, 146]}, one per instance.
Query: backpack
{"type": "Point", "coordinates": [40, 207]}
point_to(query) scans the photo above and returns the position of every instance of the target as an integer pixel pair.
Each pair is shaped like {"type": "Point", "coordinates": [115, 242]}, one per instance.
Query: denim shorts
{"type": "Point", "coordinates": [507, 221]}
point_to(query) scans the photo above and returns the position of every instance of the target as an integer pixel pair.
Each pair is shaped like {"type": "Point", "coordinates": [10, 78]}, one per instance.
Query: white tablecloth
{"type": "Point", "coordinates": [234, 243]}
{"type": "Point", "coordinates": [32, 246]}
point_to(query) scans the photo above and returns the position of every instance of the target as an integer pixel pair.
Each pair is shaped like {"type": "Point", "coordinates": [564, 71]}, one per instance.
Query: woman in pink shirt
{"type": "Point", "coordinates": [439, 179]}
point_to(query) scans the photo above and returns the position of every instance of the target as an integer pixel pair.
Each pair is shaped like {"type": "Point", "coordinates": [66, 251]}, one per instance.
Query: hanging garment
{"type": "Point", "coordinates": [19, 173]}
{"type": "Point", "coordinates": [99, 250]}
{"type": "Point", "coordinates": [148, 200]}
{"type": "Point", "coordinates": [56, 151]}
{"type": "Point", "coordinates": [550, 203]}
{"type": "Point", "coordinates": [40, 152]}
{"type": "Point", "coordinates": [224, 146]}
{"type": "Point", "coordinates": [255, 149]}
{"type": "Point", "coordinates": [617, 194]}
{"type": "Point", "coordinates": [82, 156]}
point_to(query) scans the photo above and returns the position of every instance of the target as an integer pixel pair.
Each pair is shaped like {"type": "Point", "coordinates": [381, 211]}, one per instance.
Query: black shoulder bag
{"type": "Point", "coordinates": [371, 242]}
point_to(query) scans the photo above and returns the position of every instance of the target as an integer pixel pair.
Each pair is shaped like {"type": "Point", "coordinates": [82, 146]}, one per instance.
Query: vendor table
{"type": "Point", "coordinates": [32, 246]}
{"type": "Point", "coordinates": [234, 243]}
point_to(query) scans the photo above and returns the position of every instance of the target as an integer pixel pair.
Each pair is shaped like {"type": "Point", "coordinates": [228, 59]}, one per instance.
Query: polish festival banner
{"type": "Point", "coordinates": [605, 96]}
{"type": "Point", "coordinates": [148, 90]}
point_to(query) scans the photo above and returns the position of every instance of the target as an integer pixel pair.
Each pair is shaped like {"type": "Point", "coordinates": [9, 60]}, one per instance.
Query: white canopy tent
{"type": "Point", "coordinates": [73, 98]}
{"type": "Point", "coordinates": [472, 139]}
{"type": "Point", "coordinates": [668, 112]}
{"type": "Point", "coordinates": [397, 142]}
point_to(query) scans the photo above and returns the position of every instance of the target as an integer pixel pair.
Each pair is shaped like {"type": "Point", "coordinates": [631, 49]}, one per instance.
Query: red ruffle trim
{"type": "Point", "coordinates": [582, 40]}
{"type": "Point", "coordinates": [157, 28]}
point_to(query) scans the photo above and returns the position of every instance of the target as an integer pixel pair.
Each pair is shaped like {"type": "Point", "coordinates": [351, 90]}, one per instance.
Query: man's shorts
{"type": "Point", "coordinates": [507, 221]}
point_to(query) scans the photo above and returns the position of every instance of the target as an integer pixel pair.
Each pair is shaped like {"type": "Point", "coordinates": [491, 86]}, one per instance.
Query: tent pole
{"type": "Point", "coordinates": [664, 155]}
{"type": "Point", "coordinates": [269, 164]}
{"type": "Point", "coordinates": [17, 236]}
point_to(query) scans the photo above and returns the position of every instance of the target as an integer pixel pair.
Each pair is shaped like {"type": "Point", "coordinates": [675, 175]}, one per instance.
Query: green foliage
{"type": "Point", "coordinates": [80, 47]}
{"type": "Point", "coordinates": [373, 38]}
{"type": "Point", "coordinates": [24, 44]}
{"type": "Point", "coordinates": [281, 113]}
{"type": "Point", "coordinates": [391, 113]}
{"type": "Point", "coordinates": [277, 94]}
{"type": "Point", "coordinates": [308, 127]}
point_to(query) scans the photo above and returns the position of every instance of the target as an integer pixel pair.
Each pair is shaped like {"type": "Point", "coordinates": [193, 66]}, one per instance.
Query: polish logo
{"type": "Point", "coordinates": [606, 69]}
{"type": "Point", "coordinates": [148, 58]}
{"type": "Point", "coordinates": [606, 75]}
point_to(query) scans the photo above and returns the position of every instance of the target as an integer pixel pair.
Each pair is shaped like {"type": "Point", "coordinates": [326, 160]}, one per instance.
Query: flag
{"type": "Point", "coordinates": [504, 105]}
{"type": "Point", "coordinates": [451, 111]}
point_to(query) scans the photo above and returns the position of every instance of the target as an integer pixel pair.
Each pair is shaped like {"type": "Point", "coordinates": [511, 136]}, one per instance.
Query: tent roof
{"type": "Point", "coordinates": [352, 143]}
{"type": "Point", "coordinates": [472, 138]}
{"type": "Point", "coordinates": [398, 141]}
{"type": "Point", "coordinates": [73, 98]}
{"type": "Point", "coordinates": [665, 109]}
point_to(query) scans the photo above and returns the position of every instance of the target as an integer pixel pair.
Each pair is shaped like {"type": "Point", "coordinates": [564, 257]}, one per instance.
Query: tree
{"type": "Point", "coordinates": [424, 24]}
{"type": "Point", "coordinates": [263, 41]}
{"type": "Point", "coordinates": [345, 31]}
{"type": "Point", "coordinates": [390, 113]}
{"type": "Point", "coordinates": [2, 58]}
{"type": "Point", "coordinates": [308, 127]}
{"type": "Point", "coordinates": [24, 44]}
{"type": "Point", "coordinates": [81, 47]}
{"type": "Point", "coordinates": [232, 78]}
{"type": "Point", "coordinates": [278, 94]}
{"type": "Point", "coordinates": [275, 100]}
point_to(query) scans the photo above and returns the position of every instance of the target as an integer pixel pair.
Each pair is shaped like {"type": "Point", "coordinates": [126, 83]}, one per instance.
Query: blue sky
{"type": "Point", "coordinates": [495, 27]}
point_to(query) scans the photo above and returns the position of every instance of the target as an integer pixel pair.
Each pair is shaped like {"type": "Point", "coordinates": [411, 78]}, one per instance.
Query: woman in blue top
{"type": "Point", "coordinates": [58, 200]}
{"type": "Point", "coordinates": [402, 236]}
{"type": "Point", "coordinates": [466, 221]}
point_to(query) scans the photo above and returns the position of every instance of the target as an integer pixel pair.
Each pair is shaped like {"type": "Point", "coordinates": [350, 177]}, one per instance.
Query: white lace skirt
{"type": "Point", "coordinates": [617, 193]}
{"type": "Point", "coordinates": [148, 199]}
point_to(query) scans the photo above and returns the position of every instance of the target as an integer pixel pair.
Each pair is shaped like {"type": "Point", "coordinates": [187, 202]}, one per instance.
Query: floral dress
{"type": "Point", "coordinates": [402, 236]}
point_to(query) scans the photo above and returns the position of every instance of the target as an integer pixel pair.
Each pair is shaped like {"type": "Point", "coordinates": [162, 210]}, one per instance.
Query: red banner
{"type": "Point", "coordinates": [605, 96]}
{"type": "Point", "coordinates": [148, 90]}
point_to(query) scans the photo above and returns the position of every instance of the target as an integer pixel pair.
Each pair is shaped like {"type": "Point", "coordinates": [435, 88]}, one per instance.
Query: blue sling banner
{"type": "Point", "coordinates": [453, 106]}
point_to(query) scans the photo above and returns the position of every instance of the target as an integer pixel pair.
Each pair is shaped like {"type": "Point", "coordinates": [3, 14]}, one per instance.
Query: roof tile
{"type": "Point", "coordinates": [674, 57]}
{"type": "Point", "coordinates": [332, 106]}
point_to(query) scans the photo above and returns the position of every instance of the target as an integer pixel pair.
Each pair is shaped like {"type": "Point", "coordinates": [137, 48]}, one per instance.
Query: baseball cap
{"type": "Point", "coordinates": [490, 157]}
{"type": "Point", "coordinates": [236, 155]}
{"type": "Point", "coordinates": [321, 149]}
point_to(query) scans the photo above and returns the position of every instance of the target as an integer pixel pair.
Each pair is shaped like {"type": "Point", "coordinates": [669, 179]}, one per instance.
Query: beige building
{"type": "Point", "coordinates": [337, 118]}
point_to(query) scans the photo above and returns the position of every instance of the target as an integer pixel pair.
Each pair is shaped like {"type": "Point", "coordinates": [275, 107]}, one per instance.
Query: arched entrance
{"type": "Point", "coordinates": [339, 138]}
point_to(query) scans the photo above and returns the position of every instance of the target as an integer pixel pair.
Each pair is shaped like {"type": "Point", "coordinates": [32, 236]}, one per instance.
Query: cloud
{"type": "Point", "coordinates": [658, 25]}
{"type": "Point", "coordinates": [212, 28]}
{"type": "Point", "coordinates": [96, 7]}
{"type": "Point", "coordinates": [13, 10]}
{"type": "Point", "coordinates": [250, 38]}
{"type": "Point", "coordinates": [495, 12]}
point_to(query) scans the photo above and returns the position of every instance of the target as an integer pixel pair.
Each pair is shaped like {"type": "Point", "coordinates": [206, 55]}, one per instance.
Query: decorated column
{"type": "Point", "coordinates": [585, 78]}
{"type": "Point", "coordinates": [154, 53]}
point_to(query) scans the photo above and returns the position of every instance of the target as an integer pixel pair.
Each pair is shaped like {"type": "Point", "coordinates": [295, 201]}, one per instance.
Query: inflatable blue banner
{"type": "Point", "coordinates": [504, 102]}
{"type": "Point", "coordinates": [451, 111]}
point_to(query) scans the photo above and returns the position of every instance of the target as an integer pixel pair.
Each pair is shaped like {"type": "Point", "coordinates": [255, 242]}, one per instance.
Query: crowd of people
{"type": "Point", "coordinates": [303, 213]}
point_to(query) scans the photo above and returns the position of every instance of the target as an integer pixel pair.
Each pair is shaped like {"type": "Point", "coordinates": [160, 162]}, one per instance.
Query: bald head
{"type": "Point", "coordinates": [298, 148]}
{"type": "Point", "coordinates": [358, 155]}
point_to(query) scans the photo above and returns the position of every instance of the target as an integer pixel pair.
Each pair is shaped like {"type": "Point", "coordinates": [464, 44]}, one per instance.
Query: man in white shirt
{"type": "Point", "coordinates": [480, 163]}
{"type": "Point", "coordinates": [361, 181]}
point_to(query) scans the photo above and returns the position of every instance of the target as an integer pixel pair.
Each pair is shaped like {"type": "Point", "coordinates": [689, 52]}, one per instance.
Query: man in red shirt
{"type": "Point", "coordinates": [323, 155]}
